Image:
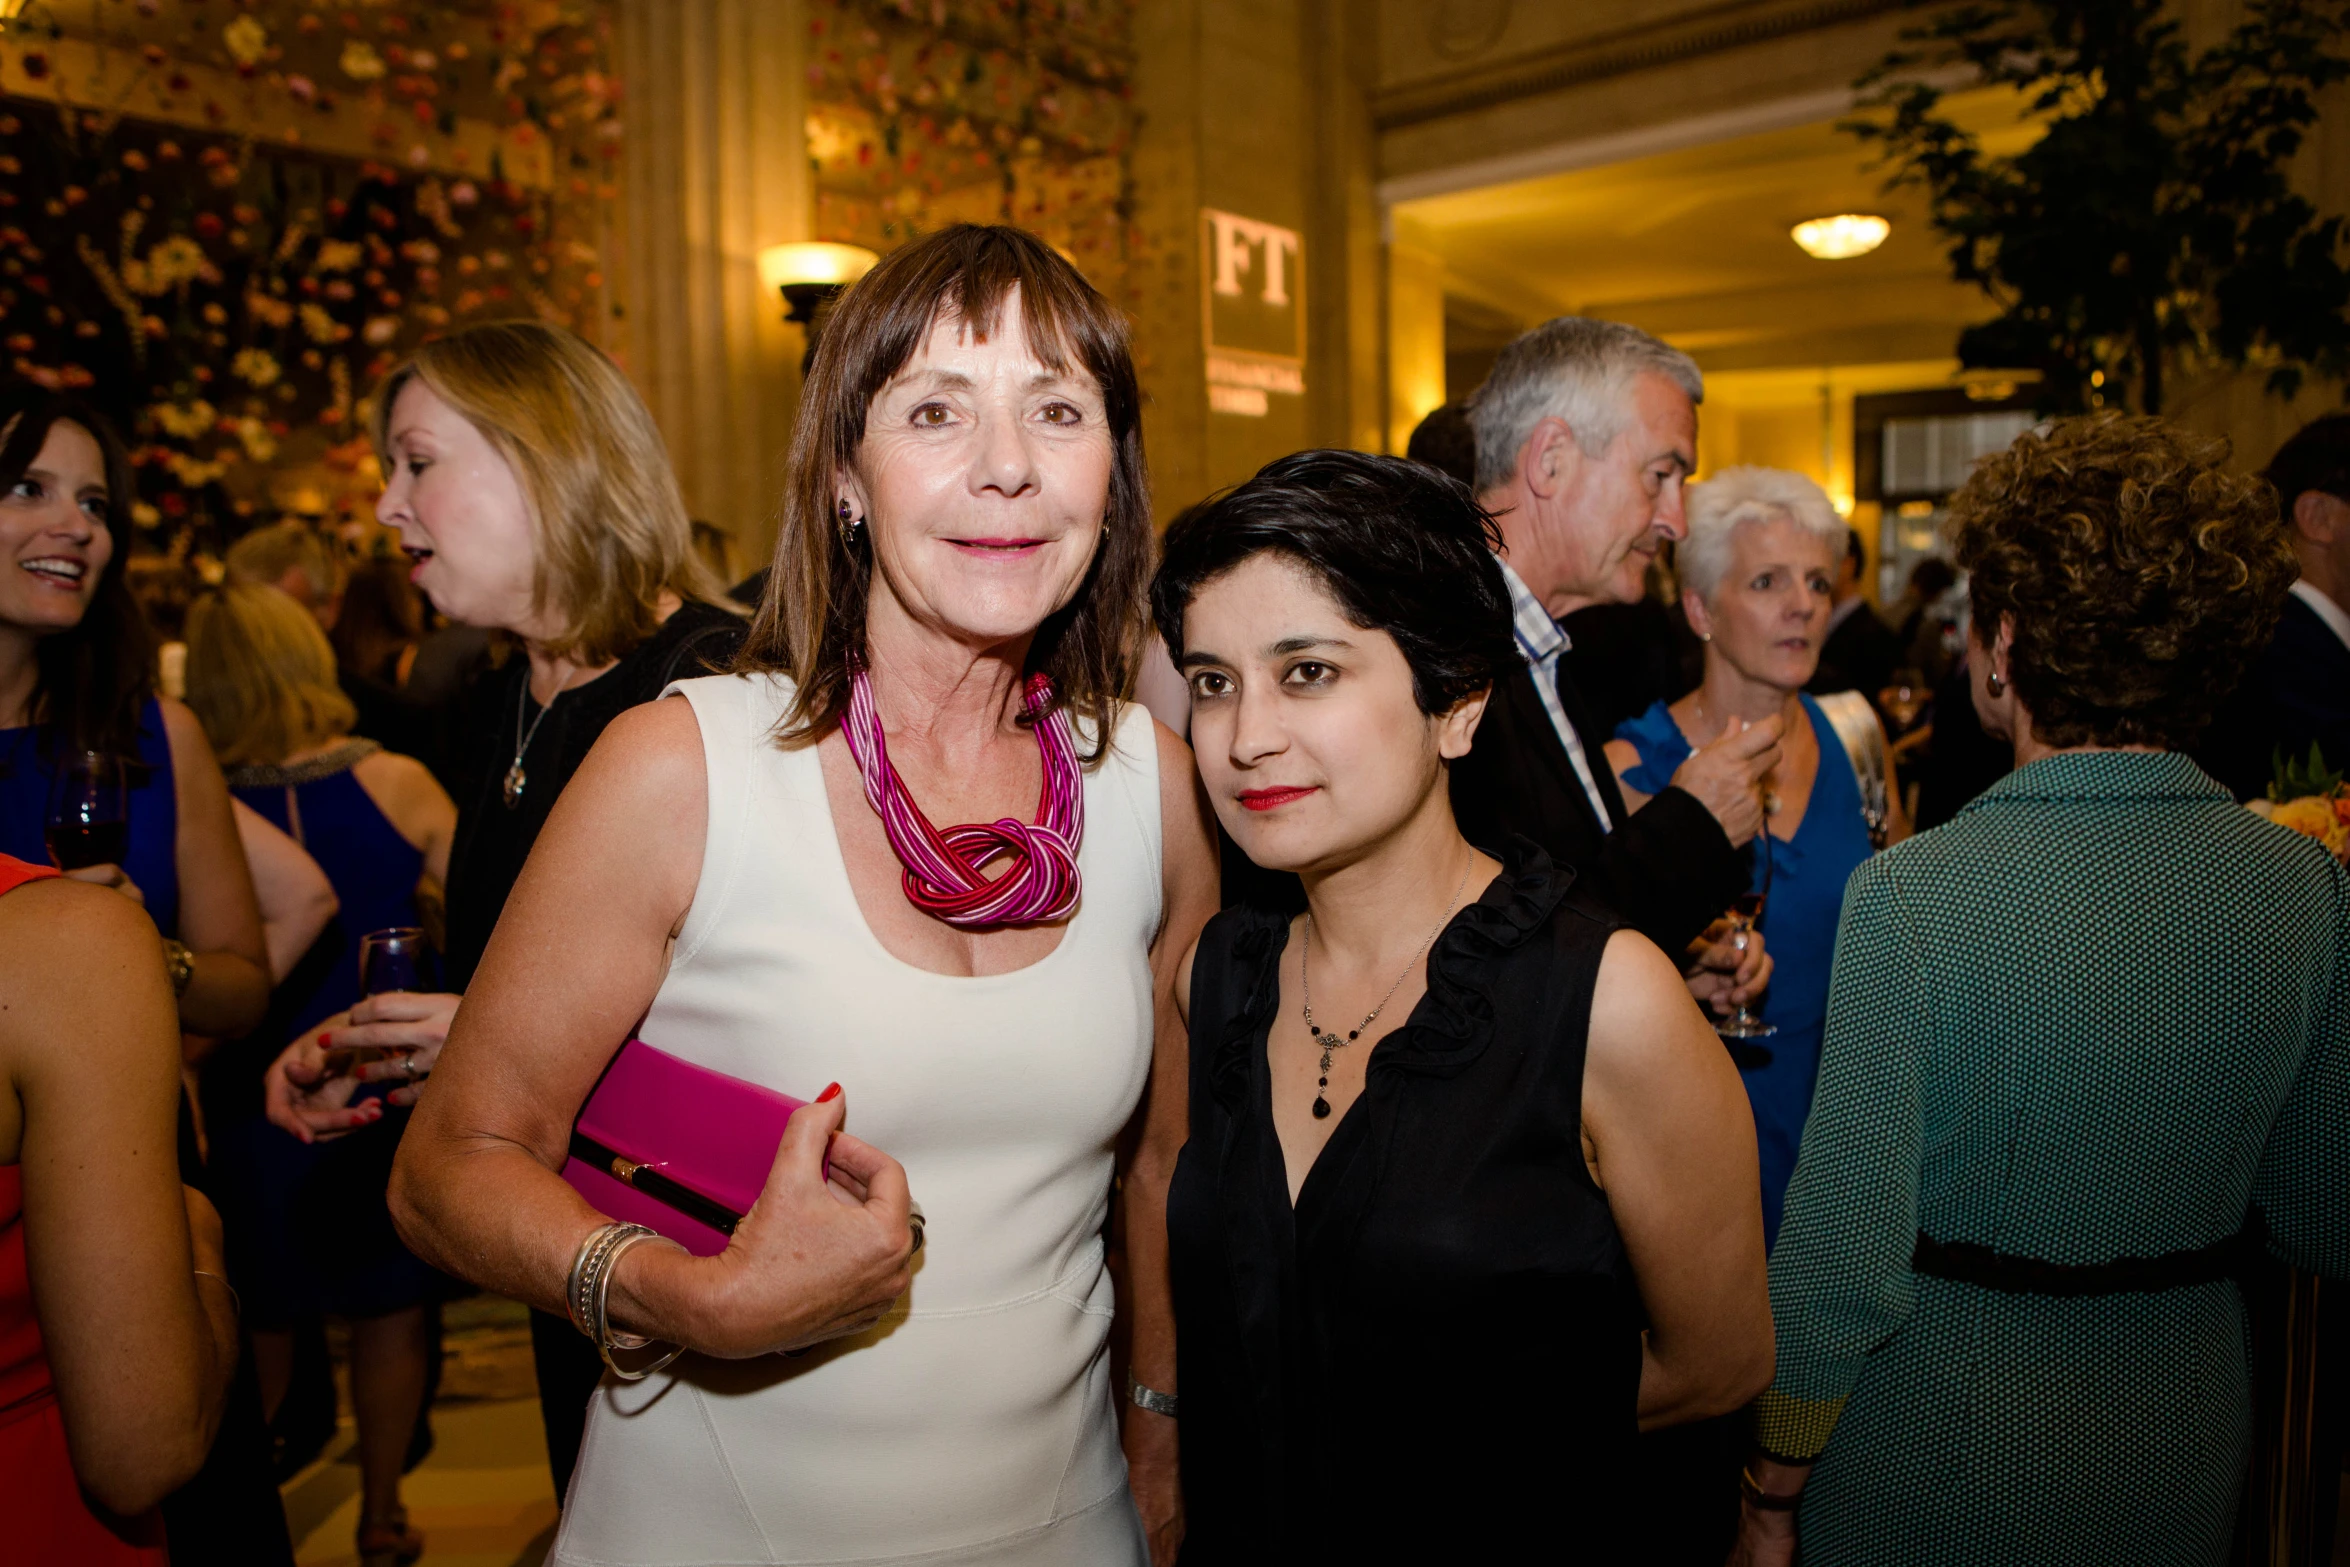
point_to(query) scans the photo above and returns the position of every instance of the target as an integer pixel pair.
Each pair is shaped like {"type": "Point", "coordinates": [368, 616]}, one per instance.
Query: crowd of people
{"type": "Point", "coordinates": [1489, 1060]}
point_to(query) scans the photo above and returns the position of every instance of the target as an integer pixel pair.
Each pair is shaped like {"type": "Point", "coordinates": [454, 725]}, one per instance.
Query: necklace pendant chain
{"type": "Point", "coordinates": [1329, 1041]}
{"type": "Point", "coordinates": [518, 780]}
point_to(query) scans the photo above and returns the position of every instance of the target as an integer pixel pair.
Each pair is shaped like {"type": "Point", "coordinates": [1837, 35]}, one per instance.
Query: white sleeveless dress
{"type": "Point", "coordinates": [975, 1425]}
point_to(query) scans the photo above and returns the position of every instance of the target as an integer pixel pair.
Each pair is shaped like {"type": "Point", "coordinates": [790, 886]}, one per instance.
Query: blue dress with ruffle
{"type": "Point", "coordinates": [1808, 873]}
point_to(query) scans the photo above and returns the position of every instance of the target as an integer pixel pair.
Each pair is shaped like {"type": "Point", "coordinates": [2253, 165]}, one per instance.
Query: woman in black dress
{"type": "Point", "coordinates": [535, 498]}
{"type": "Point", "coordinates": [1469, 1193]}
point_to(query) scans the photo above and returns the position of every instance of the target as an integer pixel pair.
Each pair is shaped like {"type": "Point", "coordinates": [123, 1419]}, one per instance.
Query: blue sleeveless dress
{"type": "Point", "coordinates": [1808, 873]}
{"type": "Point", "coordinates": [28, 767]}
{"type": "Point", "coordinates": [307, 1227]}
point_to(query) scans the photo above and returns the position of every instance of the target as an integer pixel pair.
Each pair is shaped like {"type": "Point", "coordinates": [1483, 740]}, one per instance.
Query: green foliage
{"type": "Point", "coordinates": [2298, 780]}
{"type": "Point", "coordinates": [2152, 224]}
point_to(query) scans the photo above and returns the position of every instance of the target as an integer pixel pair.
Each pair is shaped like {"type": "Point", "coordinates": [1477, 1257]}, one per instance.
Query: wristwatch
{"type": "Point", "coordinates": [180, 964]}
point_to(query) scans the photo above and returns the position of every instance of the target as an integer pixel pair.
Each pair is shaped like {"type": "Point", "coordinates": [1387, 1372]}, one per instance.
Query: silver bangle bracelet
{"type": "Point", "coordinates": [236, 1302]}
{"type": "Point", "coordinates": [596, 1286]}
{"type": "Point", "coordinates": [579, 1288]}
{"type": "Point", "coordinates": [1150, 1398]}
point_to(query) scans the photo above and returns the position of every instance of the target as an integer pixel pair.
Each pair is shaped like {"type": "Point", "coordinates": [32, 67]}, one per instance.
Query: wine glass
{"type": "Point", "coordinates": [88, 821]}
{"type": "Point", "coordinates": [1904, 700]}
{"type": "Point", "coordinates": [1745, 918]}
{"type": "Point", "coordinates": [391, 959]}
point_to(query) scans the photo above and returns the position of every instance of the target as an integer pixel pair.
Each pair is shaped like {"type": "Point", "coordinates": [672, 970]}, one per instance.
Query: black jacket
{"type": "Point", "coordinates": [1859, 655]}
{"type": "Point", "coordinates": [2296, 694]}
{"type": "Point", "coordinates": [1668, 869]}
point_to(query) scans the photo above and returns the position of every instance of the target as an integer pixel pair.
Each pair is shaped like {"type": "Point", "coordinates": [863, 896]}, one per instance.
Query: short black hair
{"type": "Point", "coordinates": [2314, 457]}
{"type": "Point", "coordinates": [1446, 442]}
{"type": "Point", "coordinates": [1932, 577]}
{"type": "Point", "coordinates": [1403, 548]}
{"type": "Point", "coordinates": [1854, 550]}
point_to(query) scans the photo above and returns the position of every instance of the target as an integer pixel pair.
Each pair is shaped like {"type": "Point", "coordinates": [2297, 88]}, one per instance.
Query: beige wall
{"type": "Point", "coordinates": [715, 169]}
{"type": "Point", "coordinates": [1304, 113]}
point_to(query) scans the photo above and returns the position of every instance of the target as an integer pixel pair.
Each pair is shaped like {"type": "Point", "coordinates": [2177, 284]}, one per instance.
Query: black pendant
{"type": "Point", "coordinates": [1321, 1108]}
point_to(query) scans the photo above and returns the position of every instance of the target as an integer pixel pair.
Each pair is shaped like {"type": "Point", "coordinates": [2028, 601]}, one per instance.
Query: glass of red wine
{"type": "Point", "coordinates": [88, 822]}
{"type": "Point", "coordinates": [390, 959]}
{"type": "Point", "coordinates": [1745, 916]}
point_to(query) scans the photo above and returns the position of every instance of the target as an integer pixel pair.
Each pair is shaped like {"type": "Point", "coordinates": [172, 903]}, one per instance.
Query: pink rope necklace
{"type": "Point", "coordinates": [943, 869]}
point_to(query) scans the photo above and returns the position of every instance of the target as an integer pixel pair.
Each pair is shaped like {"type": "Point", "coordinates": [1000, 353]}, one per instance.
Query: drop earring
{"type": "Point", "coordinates": [1995, 683]}
{"type": "Point", "coordinates": [848, 526]}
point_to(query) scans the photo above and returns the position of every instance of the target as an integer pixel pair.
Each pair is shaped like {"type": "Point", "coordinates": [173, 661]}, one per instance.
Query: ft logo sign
{"type": "Point", "coordinates": [1252, 310]}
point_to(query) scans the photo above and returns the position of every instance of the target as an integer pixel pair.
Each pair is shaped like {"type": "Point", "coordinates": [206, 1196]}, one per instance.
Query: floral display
{"type": "Point", "coordinates": [271, 201]}
{"type": "Point", "coordinates": [928, 112]}
{"type": "Point", "coordinates": [2312, 800]}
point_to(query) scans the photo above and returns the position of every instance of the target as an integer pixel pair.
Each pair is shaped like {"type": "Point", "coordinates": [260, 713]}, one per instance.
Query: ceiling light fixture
{"type": "Point", "coordinates": [1841, 237]}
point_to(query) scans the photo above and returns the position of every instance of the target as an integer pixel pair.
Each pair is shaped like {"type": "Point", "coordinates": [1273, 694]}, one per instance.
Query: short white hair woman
{"type": "Point", "coordinates": [754, 872]}
{"type": "Point", "coordinates": [1758, 574]}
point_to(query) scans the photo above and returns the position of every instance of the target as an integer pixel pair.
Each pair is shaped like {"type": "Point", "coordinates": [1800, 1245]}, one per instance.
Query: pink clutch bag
{"type": "Point", "coordinates": [676, 1147]}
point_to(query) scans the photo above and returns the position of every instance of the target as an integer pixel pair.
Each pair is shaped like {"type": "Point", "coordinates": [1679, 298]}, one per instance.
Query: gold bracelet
{"type": "Point", "coordinates": [1768, 1501]}
{"type": "Point", "coordinates": [180, 964]}
{"type": "Point", "coordinates": [236, 1302]}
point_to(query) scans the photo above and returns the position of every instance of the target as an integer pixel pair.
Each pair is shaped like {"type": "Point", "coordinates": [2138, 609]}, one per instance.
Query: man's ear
{"type": "Point", "coordinates": [1550, 459]}
{"type": "Point", "coordinates": [2319, 517]}
{"type": "Point", "coordinates": [1456, 730]}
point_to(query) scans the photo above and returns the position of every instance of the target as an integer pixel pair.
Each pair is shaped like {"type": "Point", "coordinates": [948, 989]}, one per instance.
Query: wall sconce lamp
{"type": "Point", "coordinates": [810, 273]}
{"type": "Point", "coordinates": [1841, 237]}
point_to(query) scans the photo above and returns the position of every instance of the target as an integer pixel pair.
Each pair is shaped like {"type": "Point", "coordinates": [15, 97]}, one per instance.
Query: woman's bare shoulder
{"type": "Point", "coordinates": [648, 759]}
{"type": "Point", "coordinates": [1640, 1008]}
{"type": "Point", "coordinates": [71, 956]}
{"type": "Point", "coordinates": [183, 732]}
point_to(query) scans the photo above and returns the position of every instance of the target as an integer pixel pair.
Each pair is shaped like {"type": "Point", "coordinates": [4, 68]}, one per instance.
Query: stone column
{"type": "Point", "coordinates": [1253, 116]}
{"type": "Point", "coordinates": [715, 169]}
{"type": "Point", "coordinates": [1415, 339]}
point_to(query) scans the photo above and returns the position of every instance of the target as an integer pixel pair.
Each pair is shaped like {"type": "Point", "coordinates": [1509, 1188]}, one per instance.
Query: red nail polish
{"type": "Point", "coordinates": [829, 1094]}
{"type": "Point", "coordinates": [325, 1039]}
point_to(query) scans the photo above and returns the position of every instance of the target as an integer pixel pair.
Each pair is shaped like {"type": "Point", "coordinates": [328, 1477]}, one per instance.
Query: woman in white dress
{"type": "Point", "coordinates": [948, 636]}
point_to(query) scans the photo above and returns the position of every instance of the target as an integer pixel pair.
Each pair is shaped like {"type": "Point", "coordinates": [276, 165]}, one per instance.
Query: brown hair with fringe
{"type": "Point", "coordinates": [811, 623]}
{"type": "Point", "coordinates": [2142, 577]}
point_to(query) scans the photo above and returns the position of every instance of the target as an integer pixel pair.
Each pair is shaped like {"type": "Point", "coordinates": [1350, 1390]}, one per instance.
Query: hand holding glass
{"type": "Point", "coordinates": [1746, 916]}
{"type": "Point", "coordinates": [389, 960]}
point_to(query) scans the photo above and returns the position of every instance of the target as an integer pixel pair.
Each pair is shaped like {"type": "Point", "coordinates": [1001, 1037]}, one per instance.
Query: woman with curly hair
{"type": "Point", "coordinates": [2085, 1041]}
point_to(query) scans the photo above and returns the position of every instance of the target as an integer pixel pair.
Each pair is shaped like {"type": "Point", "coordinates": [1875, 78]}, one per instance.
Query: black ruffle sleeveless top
{"type": "Point", "coordinates": [1439, 1348]}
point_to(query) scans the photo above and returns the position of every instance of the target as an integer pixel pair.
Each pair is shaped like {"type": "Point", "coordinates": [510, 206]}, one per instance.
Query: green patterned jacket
{"type": "Point", "coordinates": [2101, 1014]}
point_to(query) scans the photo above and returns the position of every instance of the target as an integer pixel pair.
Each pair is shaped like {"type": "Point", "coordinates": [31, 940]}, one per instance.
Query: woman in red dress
{"type": "Point", "coordinates": [117, 1328]}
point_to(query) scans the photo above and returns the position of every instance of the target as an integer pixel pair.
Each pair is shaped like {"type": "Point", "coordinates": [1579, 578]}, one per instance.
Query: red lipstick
{"type": "Point", "coordinates": [1270, 799]}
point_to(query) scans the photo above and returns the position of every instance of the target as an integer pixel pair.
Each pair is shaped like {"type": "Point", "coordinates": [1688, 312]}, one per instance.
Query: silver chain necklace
{"type": "Point", "coordinates": [516, 779]}
{"type": "Point", "coordinates": [1331, 1041]}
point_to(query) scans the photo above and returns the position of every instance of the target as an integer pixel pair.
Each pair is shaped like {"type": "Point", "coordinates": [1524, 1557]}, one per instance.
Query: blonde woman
{"type": "Point", "coordinates": [533, 495]}
{"type": "Point", "coordinates": [309, 1232]}
{"type": "Point", "coordinates": [1758, 574]}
